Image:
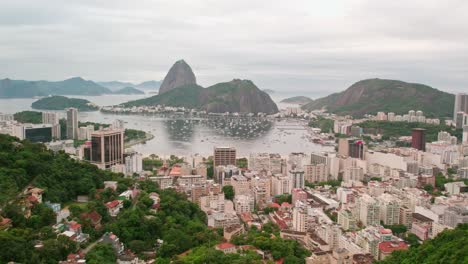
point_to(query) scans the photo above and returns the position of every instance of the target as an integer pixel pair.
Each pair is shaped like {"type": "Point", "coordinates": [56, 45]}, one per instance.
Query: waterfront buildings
{"type": "Point", "coordinates": [224, 156]}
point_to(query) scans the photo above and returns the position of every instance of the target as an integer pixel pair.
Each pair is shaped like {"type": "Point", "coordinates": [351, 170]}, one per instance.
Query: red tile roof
{"type": "Point", "coordinates": [390, 246]}
{"type": "Point", "coordinates": [112, 204]}
{"type": "Point", "coordinates": [246, 217]}
{"type": "Point", "coordinates": [225, 245]}
{"type": "Point", "coordinates": [74, 225]}
{"type": "Point", "coordinates": [32, 198]}
{"type": "Point", "coordinates": [385, 231]}
{"type": "Point", "coordinates": [94, 216]}
{"type": "Point", "coordinates": [175, 171]}
{"type": "Point", "coordinates": [274, 205]}
{"type": "Point", "coordinates": [5, 221]}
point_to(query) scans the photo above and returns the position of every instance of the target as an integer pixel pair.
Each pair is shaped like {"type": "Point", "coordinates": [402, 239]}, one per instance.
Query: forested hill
{"type": "Point", "coordinates": [23, 163]}
{"type": "Point", "coordinates": [240, 96]}
{"type": "Point", "coordinates": [27, 89]}
{"type": "Point", "coordinates": [374, 95]}
{"type": "Point", "coordinates": [450, 246]}
{"type": "Point", "coordinates": [62, 102]}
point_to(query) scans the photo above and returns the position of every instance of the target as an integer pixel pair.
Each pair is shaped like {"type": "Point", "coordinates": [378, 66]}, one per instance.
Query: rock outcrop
{"type": "Point", "coordinates": [179, 75]}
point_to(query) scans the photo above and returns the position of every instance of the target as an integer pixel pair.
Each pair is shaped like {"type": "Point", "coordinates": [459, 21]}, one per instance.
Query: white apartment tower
{"type": "Point", "coordinates": [368, 210]}
{"type": "Point", "coordinates": [300, 217]}
{"type": "Point", "coordinates": [72, 123]}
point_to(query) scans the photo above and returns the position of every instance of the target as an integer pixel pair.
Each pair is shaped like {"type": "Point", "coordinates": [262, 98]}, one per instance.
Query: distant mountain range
{"type": "Point", "coordinates": [26, 89]}
{"type": "Point", "coordinates": [179, 89]}
{"type": "Point", "coordinates": [128, 90]}
{"type": "Point", "coordinates": [374, 95]}
{"type": "Point", "coordinates": [73, 86]}
{"type": "Point", "coordinates": [116, 85]}
{"type": "Point", "coordinates": [301, 100]}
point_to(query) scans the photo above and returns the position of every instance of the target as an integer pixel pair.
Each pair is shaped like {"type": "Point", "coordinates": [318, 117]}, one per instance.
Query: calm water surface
{"type": "Point", "coordinates": [184, 135]}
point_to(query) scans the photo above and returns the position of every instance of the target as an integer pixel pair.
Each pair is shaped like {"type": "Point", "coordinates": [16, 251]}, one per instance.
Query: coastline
{"type": "Point", "coordinates": [148, 136]}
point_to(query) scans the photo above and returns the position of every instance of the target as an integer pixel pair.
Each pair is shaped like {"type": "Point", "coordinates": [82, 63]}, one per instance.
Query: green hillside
{"type": "Point", "coordinates": [235, 96]}
{"type": "Point", "coordinates": [450, 246]}
{"type": "Point", "coordinates": [374, 95]}
{"type": "Point", "coordinates": [62, 102]}
{"type": "Point", "coordinates": [26, 89]}
{"type": "Point", "coordinates": [185, 96]}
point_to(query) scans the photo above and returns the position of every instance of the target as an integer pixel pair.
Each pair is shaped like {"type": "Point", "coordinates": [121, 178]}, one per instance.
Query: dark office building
{"type": "Point", "coordinates": [356, 149]}
{"type": "Point", "coordinates": [419, 139]}
{"type": "Point", "coordinates": [107, 147]}
{"type": "Point", "coordinates": [38, 134]}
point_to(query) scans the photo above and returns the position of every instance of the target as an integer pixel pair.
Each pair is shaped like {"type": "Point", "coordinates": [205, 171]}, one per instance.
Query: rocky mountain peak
{"type": "Point", "coordinates": [179, 75]}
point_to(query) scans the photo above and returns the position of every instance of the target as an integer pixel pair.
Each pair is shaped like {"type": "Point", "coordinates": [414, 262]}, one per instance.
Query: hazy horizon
{"type": "Point", "coordinates": [301, 48]}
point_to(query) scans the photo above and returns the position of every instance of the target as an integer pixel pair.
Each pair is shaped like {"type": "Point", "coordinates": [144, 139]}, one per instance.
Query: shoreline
{"type": "Point", "coordinates": [148, 137]}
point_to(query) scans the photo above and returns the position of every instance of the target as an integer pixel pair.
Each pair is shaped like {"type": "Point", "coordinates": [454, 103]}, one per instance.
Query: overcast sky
{"type": "Point", "coordinates": [307, 47]}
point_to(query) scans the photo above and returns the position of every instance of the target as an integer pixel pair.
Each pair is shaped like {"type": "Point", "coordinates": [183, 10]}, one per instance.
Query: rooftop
{"type": "Point", "coordinates": [390, 246]}
{"type": "Point", "coordinates": [225, 246]}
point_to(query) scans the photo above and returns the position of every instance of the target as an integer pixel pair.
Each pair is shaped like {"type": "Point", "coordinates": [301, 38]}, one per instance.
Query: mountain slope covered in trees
{"type": "Point", "coordinates": [374, 95]}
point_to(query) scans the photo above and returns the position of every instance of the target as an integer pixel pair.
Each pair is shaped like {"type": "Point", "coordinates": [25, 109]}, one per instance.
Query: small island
{"type": "Point", "coordinates": [301, 100]}
{"type": "Point", "coordinates": [62, 102]}
{"type": "Point", "coordinates": [129, 90]}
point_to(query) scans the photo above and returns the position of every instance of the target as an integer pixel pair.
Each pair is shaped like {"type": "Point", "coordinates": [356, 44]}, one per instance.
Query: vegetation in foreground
{"type": "Point", "coordinates": [450, 246]}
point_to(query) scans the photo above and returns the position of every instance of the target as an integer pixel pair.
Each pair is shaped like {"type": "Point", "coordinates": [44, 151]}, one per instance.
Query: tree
{"type": "Point", "coordinates": [397, 229]}
{"type": "Point", "coordinates": [242, 163]}
{"type": "Point", "coordinates": [412, 240]}
{"type": "Point", "coordinates": [101, 254]}
{"type": "Point", "coordinates": [228, 191]}
{"type": "Point", "coordinates": [137, 246]}
{"type": "Point", "coordinates": [450, 246]}
{"type": "Point", "coordinates": [428, 188]}
{"type": "Point", "coordinates": [284, 198]}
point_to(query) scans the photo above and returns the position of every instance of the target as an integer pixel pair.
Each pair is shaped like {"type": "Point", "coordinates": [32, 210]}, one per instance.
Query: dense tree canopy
{"type": "Point", "coordinates": [101, 254]}
{"type": "Point", "coordinates": [63, 178]}
{"type": "Point", "coordinates": [228, 191]}
{"type": "Point", "coordinates": [450, 246]}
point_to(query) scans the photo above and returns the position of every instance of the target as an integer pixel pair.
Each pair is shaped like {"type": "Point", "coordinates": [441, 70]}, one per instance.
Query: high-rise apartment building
{"type": "Point", "coordinates": [297, 160]}
{"type": "Point", "coordinates": [369, 211]}
{"type": "Point", "coordinates": [297, 178]}
{"type": "Point", "coordinates": [389, 209]}
{"type": "Point", "coordinates": [465, 135]}
{"type": "Point", "coordinates": [224, 156]}
{"type": "Point", "coordinates": [72, 123]}
{"type": "Point", "coordinates": [133, 162]}
{"type": "Point", "coordinates": [461, 119]}
{"type": "Point", "coordinates": [280, 184]}
{"type": "Point", "coordinates": [406, 217]}
{"type": "Point", "coordinates": [265, 161]}
{"type": "Point", "coordinates": [354, 148]}
{"type": "Point", "coordinates": [52, 118]}
{"type": "Point", "coordinates": [418, 139]}
{"type": "Point", "coordinates": [461, 104]}
{"type": "Point", "coordinates": [299, 221]}
{"type": "Point", "coordinates": [107, 147]}
{"type": "Point", "coordinates": [316, 173]}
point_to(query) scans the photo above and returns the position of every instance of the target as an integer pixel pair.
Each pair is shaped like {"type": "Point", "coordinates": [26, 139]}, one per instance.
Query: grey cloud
{"type": "Point", "coordinates": [305, 46]}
